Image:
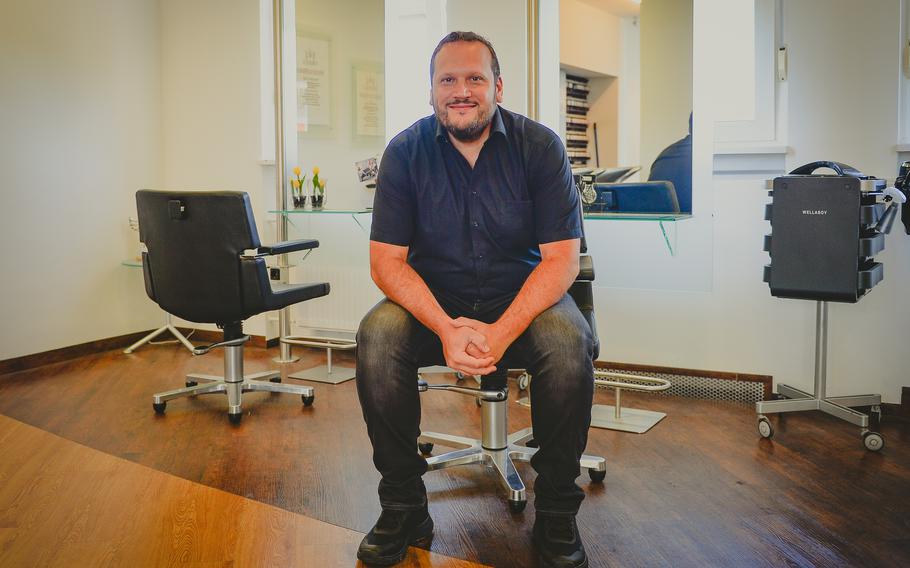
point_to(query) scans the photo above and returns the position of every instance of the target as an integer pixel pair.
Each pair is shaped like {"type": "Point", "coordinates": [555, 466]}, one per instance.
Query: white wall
{"type": "Point", "coordinates": [210, 95]}
{"type": "Point", "coordinates": [548, 73]}
{"type": "Point", "coordinates": [81, 133]}
{"type": "Point", "coordinates": [414, 28]}
{"type": "Point", "coordinates": [589, 38]}
{"type": "Point", "coordinates": [853, 122]}
{"type": "Point", "coordinates": [733, 323]}
{"type": "Point", "coordinates": [505, 24]}
{"type": "Point", "coordinates": [829, 118]}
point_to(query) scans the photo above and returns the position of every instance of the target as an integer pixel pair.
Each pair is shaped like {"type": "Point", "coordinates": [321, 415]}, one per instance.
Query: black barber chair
{"type": "Point", "coordinates": [203, 262]}
{"type": "Point", "coordinates": [497, 448]}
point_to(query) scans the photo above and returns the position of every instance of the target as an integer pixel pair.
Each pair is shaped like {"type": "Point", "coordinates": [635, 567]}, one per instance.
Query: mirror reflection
{"type": "Point", "coordinates": [626, 79]}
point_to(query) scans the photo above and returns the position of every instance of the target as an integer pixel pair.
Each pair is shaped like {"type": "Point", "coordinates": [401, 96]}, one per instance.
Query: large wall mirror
{"type": "Point", "coordinates": [340, 95]}
{"type": "Point", "coordinates": [626, 81]}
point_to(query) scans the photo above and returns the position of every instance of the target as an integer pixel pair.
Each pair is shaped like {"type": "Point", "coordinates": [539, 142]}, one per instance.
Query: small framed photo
{"type": "Point", "coordinates": [367, 170]}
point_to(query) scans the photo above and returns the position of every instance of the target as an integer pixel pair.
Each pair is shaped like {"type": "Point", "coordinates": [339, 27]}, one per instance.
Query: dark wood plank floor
{"type": "Point", "coordinates": [700, 489]}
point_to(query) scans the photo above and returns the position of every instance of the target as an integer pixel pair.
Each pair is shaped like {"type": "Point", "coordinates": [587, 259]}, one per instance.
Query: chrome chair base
{"type": "Point", "coordinates": [496, 449]}
{"type": "Point", "coordinates": [234, 384]}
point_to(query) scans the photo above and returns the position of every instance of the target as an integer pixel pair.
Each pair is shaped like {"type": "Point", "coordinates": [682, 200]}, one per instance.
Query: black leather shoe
{"type": "Point", "coordinates": [558, 542]}
{"type": "Point", "coordinates": [387, 542]}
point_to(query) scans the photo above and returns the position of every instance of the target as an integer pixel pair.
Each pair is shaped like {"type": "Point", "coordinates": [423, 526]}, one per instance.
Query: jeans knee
{"type": "Point", "coordinates": [384, 327]}
{"type": "Point", "coordinates": [564, 337]}
{"type": "Point", "coordinates": [563, 348]}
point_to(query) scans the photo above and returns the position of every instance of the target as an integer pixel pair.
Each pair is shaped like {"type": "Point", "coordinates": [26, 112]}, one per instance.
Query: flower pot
{"type": "Point", "coordinates": [317, 201]}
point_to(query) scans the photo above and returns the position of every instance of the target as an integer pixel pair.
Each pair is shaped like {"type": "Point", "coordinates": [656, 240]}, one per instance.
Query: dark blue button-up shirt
{"type": "Point", "coordinates": [475, 233]}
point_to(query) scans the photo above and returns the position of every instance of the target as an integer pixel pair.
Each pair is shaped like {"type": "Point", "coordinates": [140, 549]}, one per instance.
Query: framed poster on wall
{"type": "Point", "coordinates": [314, 81]}
{"type": "Point", "coordinates": [369, 100]}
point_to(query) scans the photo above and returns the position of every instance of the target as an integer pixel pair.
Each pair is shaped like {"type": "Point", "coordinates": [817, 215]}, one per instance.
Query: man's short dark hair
{"type": "Point", "coordinates": [465, 36]}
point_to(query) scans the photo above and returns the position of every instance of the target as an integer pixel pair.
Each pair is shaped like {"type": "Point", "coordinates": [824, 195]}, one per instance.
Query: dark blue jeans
{"type": "Point", "coordinates": [557, 349]}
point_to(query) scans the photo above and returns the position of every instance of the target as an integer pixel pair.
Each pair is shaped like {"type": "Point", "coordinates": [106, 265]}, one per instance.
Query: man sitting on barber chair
{"type": "Point", "coordinates": [475, 242]}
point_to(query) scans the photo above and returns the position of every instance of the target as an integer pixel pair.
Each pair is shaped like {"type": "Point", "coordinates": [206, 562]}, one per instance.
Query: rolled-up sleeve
{"type": "Point", "coordinates": [393, 205]}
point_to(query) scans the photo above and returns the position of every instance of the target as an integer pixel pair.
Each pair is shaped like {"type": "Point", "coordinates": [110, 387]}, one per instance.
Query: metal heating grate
{"type": "Point", "coordinates": [710, 388]}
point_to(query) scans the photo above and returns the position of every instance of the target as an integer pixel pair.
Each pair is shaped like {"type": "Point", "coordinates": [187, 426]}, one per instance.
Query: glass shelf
{"type": "Point", "coordinates": [132, 262]}
{"type": "Point", "coordinates": [607, 215]}
{"type": "Point", "coordinates": [662, 219]}
{"type": "Point", "coordinates": [321, 211]}
{"type": "Point", "coordinates": [352, 212]}
{"type": "Point", "coordinates": [614, 216]}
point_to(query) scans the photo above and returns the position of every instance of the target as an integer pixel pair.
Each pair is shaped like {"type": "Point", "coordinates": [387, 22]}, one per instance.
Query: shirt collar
{"type": "Point", "coordinates": [496, 125]}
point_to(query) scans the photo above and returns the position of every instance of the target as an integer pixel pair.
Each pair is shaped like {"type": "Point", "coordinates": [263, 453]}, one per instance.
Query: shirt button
{"type": "Point", "coordinates": [480, 256]}
{"type": "Point", "coordinates": [475, 224]}
{"type": "Point", "coordinates": [474, 193]}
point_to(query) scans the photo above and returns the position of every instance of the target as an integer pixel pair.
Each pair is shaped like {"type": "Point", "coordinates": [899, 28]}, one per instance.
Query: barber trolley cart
{"type": "Point", "coordinates": [826, 229]}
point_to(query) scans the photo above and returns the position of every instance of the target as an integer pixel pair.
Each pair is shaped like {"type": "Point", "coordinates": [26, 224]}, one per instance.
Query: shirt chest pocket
{"type": "Point", "coordinates": [512, 224]}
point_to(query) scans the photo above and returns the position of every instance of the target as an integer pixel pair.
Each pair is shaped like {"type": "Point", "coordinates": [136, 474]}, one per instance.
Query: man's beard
{"type": "Point", "coordinates": [468, 133]}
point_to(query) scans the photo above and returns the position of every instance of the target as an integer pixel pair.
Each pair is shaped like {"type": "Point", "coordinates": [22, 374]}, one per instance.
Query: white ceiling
{"type": "Point", "coordinates": [616, 7]}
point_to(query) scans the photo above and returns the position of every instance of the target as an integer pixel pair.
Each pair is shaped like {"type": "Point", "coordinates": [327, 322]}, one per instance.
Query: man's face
{"type": "Point", "coordinates": [464, 93]}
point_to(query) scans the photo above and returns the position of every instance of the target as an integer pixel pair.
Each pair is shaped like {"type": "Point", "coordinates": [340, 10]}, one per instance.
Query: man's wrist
{"type": "Point", "coordinates": [506, 328]}
{"type": "Point", "coordinates": [441, 325]}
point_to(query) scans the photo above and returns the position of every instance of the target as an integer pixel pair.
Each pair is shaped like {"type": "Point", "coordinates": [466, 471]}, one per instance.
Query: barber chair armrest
{"type": "Point", "coordinates": [281, 248]}
{"type": "Point", "coordinates": [585, 268]}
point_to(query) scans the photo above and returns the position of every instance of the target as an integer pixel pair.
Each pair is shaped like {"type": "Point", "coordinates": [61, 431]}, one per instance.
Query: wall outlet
{"type": "Point", "coordinates": [275, 273]}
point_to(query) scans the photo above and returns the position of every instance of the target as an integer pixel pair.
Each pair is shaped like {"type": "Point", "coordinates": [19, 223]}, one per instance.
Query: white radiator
{"type": "Point", "coordinates": [352, 295]}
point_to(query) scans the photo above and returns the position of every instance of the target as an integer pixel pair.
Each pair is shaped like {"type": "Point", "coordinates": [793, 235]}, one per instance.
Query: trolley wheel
{"type": "Point", "coordinates": [764, 427]}
{"type": "Point", "coordinates": [275, 380]}
{"type": "Point", "coordinates": [597, 476]}
{"type": "Point", "coordinates": [524, 380]}
{"type": "Point", "coordinates": [190, 383]}
{"type": "Point", "coordinates": [517, 506]}
{"type": "Point", "coordinates": [425, 448]}
{"type": "Point", "coordinates": [159, 407]}
{"type": "Point", "coordinates": [234, 417]}
{"type": "Point", "coordinates": [308, 400]}
{"type": "Point", "coordinates": [873, 441]}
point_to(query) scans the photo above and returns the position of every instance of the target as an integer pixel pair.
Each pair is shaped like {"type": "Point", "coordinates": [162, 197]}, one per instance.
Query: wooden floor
{"type": "Point", "coordinates": [700, 489]}
{"type": "Point", "coordinates": [63, 504]}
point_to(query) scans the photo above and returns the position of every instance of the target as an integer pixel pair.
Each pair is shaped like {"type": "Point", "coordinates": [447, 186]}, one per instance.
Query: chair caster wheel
{"type": "Point", "coordinates": [597, 476]}
{"type": "Point", "coordinates": [873, 441]}
{"type": "Point", "coordinates": [517, 506]}
{"type": "Point", "coordinates": [764, 427]}
{"type": "Point", "coordinates": [275, 380]}
{"type": "Point", "coordinates": [524, 380]}
{"type": "Point", "coordinates": [234, 417]}
{"type": "Point", "coordinates": [308, 400]}
{"type": "Point", "coordinates": [191, 384]}
{"type": "Point", "coordinates": [425, 448]}
{"type": "Point", "coordinates": [159, 407]}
